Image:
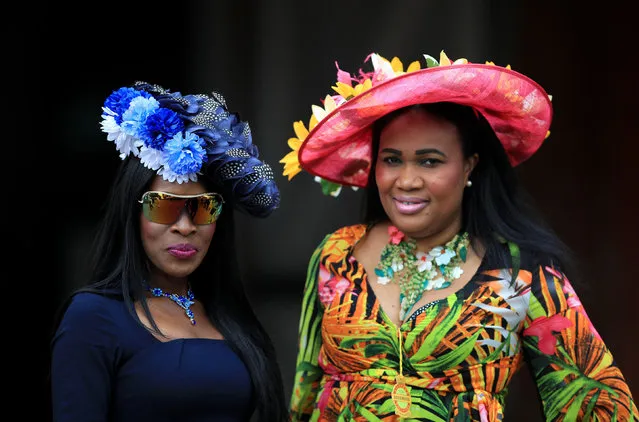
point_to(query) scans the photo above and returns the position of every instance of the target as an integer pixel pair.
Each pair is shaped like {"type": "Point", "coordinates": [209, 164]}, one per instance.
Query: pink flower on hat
{"type": "Point", "coordinates": [337, 151]}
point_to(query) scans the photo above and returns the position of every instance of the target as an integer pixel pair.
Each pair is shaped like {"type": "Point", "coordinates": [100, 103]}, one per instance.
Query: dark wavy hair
{"type": "Point", "coordinates": [119, 264]}
{"type": "Point", "coordinates": [496, 208]}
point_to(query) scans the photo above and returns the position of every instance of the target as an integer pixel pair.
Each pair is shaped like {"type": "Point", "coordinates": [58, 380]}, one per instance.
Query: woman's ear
{"type": "Point", "coordinates": [471, 162]}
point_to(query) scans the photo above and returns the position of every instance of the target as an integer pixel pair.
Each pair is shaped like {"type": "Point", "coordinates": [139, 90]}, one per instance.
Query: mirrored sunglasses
{"type": "Point", "coordinates": [165, 208]}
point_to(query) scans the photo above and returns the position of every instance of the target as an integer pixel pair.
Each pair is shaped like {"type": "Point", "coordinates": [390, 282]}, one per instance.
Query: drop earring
{"type": "Point", "coordinates": [469, 183]}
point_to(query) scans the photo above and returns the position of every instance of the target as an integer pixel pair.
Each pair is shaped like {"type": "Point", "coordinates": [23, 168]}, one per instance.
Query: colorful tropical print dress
{"type": "Point", "coordinates": [458, 354]}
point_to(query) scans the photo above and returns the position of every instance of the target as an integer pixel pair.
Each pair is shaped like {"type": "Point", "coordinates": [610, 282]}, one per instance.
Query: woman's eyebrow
{"type": "Point", "coordinates": [392, 151]}
{"type": "Point", "coordinates": [417, 152]}
{"type": "Point", "coordinates": [429, 151]}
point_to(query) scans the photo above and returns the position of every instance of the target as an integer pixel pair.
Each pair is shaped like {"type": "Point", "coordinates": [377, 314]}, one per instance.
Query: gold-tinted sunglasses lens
{"type": "Point", "coordinates": [207, 208]}
{"type": "Point", "coordinates": [165, 208]}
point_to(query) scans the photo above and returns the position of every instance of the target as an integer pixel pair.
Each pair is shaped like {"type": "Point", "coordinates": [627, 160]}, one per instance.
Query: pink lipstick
{"type": "Point", "coordinates": [407, 205]}
{"type": "Point", "coordinates": [182, 250]}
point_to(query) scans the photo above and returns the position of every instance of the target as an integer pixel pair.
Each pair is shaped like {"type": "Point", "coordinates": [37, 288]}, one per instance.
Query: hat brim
{"type": "Point", "coordinates": [339, 147]}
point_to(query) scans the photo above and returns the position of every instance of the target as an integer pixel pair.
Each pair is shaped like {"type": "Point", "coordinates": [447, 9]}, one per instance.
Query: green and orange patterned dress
{"type": "Point", "coordinates": [458, 354]}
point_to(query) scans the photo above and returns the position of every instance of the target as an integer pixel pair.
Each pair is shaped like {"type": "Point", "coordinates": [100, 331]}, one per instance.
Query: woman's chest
{"type": "Point", "coordinates": [483, 318]}
{"type": "Point", "coordinates": [179, 376]}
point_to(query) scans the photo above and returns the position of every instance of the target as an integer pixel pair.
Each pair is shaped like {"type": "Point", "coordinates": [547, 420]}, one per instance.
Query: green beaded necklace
{"type": "Point", "coordinates": [417, 272]}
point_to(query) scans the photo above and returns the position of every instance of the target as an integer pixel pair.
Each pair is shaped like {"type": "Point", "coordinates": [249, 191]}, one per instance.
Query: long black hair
{"type": "Point", "coordinates": [496, 208]}
{"type": "Point", "coordinates": [119, 266]}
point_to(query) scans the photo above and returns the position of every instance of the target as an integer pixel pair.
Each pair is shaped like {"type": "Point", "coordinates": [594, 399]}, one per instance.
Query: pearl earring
{"type": "Point", "coordinates": [469, 183]}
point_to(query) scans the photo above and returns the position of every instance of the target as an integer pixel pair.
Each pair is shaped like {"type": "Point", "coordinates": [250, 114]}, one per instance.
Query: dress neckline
{"type": "Point", "coordinates": [466, 289]}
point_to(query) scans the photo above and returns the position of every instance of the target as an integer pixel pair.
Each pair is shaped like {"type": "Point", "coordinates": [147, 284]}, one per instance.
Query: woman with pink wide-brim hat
{"type": "Point", "coordinates": [427, 308]}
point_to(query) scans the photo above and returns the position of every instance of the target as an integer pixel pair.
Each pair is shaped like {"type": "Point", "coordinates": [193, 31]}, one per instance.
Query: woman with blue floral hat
{"type": "Point", "coordinates": [426, 309]}
{"type": "Point", "coordinates": [164, 331]}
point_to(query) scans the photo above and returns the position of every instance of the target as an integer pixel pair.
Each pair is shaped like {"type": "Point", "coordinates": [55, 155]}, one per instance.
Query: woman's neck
{"type": "Point", "coordinates": [427, 240]}
{"type": "Point", "coordinates": [170, 285]}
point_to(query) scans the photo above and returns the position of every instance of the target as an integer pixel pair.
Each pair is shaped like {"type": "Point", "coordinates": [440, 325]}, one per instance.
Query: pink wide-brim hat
{"type": "Point", "coordinates": [339, 147]}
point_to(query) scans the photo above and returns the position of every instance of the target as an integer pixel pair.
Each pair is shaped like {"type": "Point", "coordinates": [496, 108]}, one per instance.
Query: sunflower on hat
{"type": "Point", "coordinates": [383, 70]}
{"type": "Point", "coordinates": [336, 146]}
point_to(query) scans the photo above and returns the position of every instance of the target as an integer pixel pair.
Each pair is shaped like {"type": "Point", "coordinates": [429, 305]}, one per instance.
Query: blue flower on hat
{"type": "Point", "coordinates": [184, 156]}
{"type": "Point", "coordinates": [134, 119]}
{"type": "Point", "coordinates": [120, 100]}
{"type": "Point", "coordinates": [160, 127]}
{"type": "Point", "coordinates": [183, 137]}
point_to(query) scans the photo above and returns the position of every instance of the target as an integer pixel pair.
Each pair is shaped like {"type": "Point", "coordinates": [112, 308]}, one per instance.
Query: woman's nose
{"type": "Point", "coordinates": [184, 224]}
{"type": "Point", "coordinates": [409, 178]}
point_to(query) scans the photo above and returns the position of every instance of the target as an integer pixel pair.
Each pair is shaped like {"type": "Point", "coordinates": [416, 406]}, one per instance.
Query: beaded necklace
{"type": "Point", "coordinates": [183, 302]}
{"type": "Point", "coordinates": [417, 272]}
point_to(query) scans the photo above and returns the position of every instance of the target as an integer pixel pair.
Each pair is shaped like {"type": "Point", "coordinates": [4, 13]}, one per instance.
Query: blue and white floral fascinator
{"type": "Point", "coordinates": [182, 137]}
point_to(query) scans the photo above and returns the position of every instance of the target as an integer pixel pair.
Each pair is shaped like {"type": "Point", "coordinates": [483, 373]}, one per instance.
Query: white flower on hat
{"type": "Point", "coordinates": [124, 143]}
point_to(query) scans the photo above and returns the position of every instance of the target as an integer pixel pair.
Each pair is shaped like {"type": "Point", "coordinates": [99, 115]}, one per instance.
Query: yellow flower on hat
{"type": "Point", "coordinates": [398, 67]}
{"type": "Point", "coordinates": [290, 160]}
{"type": "Point", "coordinates": [445, 61]}
{"type": "Point", "coordinates": [493, 64]}
{"type": "Point", "coordinates": [347, 91]}
{"type": "Point", "coordinates": [383, 68]}
{"type": "Point", "coordinates": [340, 136]}
{"type": "Point", "coordinates": [319, 113]}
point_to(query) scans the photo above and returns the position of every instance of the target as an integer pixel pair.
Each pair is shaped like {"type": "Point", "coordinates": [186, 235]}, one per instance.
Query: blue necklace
{"type": "Point", "coordinates": [183, 302]}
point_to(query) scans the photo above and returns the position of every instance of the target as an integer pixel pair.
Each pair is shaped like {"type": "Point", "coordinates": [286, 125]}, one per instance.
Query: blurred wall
{"type": "Point", "coordinates": [272, 60]}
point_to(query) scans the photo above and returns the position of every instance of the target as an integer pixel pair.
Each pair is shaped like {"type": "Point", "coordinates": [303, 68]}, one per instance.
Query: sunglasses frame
{"type": "Point", "coordinates": [145, 200]}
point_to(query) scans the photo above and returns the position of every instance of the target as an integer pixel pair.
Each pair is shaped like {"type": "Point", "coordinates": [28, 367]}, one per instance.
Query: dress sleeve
{"type": "Point", "coordinates": [82, 361]}
{"type": "Point", "coordinates": [307, 370]}
{"type": "Point", "coordinates": [577, 378]}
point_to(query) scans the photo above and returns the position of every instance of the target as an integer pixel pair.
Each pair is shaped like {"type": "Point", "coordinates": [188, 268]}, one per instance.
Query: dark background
{"type": "Point", "coordinates": [272, 60]}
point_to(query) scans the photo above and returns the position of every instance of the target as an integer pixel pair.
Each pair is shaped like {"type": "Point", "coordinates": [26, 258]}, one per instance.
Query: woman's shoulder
{"type": "Point", "coordinates": [350, 233]}
{"type": "Point", "coordinates": [343, 239]}
{"type": "Point", "coordinates": [509, 255]}
{"type": "Point", "coordinates": [90, 318]}
{"type": "Point", "coordinates": [532, 266]}
{"type": "Point", "coordinates": [87, 306]}
{"type": "Point", "coordinates": [532, 260]}
{"type": "Point", "coordinates": [83, 299]}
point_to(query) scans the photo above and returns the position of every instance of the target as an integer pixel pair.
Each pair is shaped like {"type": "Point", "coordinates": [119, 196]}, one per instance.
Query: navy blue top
{"type": "Point", "coordinates": [106, 367]}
